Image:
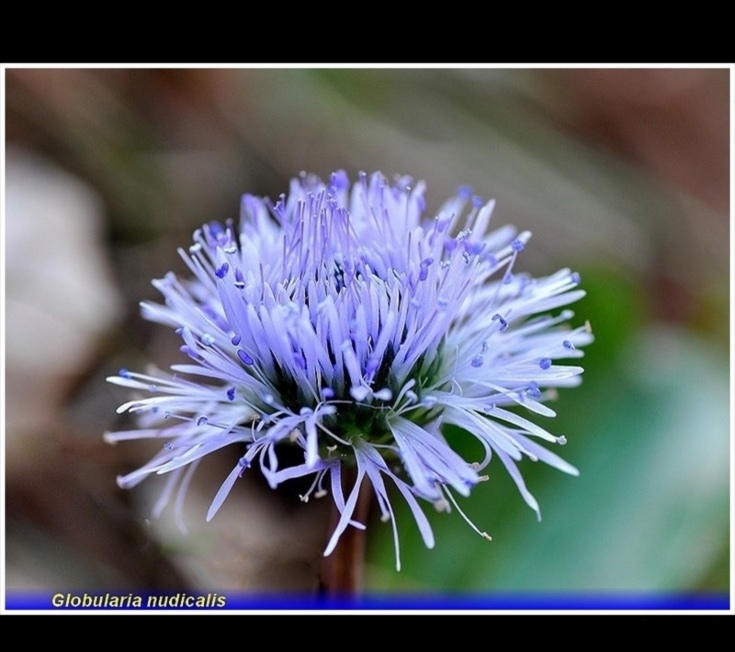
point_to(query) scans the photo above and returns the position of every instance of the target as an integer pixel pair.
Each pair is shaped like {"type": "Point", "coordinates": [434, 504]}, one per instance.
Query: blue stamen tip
{"type": "Point", "coordinates": [244, 357]}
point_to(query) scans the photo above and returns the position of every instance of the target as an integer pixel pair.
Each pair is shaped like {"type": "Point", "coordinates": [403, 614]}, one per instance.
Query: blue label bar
{"type": "Point", "coordinates": [229, 601]}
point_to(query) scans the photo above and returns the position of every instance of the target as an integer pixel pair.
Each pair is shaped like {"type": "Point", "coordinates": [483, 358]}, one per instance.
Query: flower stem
{"type": "Point", "coordinates": [342, 571]}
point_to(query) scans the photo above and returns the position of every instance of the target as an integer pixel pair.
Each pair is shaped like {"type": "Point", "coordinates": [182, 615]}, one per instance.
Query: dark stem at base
{"type": "Point", "coordinates": [342, 571]}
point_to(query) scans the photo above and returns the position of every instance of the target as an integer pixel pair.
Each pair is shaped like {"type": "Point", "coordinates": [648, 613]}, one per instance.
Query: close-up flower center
{"type": "Point", "coordinates": [342, 323]}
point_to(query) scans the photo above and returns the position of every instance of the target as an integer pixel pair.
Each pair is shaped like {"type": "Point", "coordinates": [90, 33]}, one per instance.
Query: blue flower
{"type": "Point", "coordinates": [343, 322]}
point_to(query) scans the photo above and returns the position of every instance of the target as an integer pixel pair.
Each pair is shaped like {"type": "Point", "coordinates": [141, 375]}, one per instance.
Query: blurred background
{"type": "Point", "coordinates": [621, 174]}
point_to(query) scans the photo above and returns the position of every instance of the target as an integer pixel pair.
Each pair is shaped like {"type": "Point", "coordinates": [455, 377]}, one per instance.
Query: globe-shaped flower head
{"type": "Point", "coordinates": [343, 322]}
